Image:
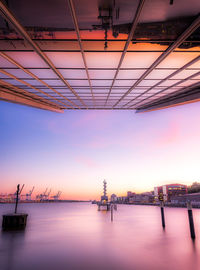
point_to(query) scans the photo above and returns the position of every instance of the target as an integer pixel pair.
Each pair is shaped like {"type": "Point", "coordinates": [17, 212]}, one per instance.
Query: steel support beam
{"type": "Point", "coordinates": [167, 78]}
{"type": "Point", "coordinates": [17, 95]}
{"type": "Point", "coordinates": [75, 21]}
{"type": "Point", "coordinates": [6, 14]}
{"type": "Point", "coordinates": [15, 88]}
{"type": "Point", "coordinates": [170, 49]}
{"type": "Point", "coordinates": [11, 60]}
{"type": "Point", "coordinates": [95, 51]}
{"type": "Point", "coordinates": [187, 95]}
{"type": "Point", "coordinates": [99, 79]}
{"type": "Point", "coordinates": [30, 86]}
{"type": "Point", "coordinates": [94, 40]}
{"type": "Point", "coordinates": [175, 92]}
{"type": "Point", "coordinates": [74, 68]}
{"type": "Point", "coordinates": [17, 98]}
{"type": "Point", "coordinates": [167, 88]}
{"type": "Point", "coordinates": [130, 36]}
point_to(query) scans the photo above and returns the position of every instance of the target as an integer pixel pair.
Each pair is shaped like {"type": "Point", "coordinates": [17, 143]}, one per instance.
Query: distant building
{"type": "Point", "coordinates": [136, 198]}
{"type": "Point", "coordinates": [113, 198]}
{"type": "Point", "coordinates": [130, 194]}
{"type": "Point", "coordinates": [158, 194]}
{"type": "Point", "coordinates": [166, 192]}
{"type": "Point", "coordinates": [122, 199]}
{"type": "Point", "coordinates": [172, 190]}
{"type": "Point", "coordinates": [194, 198]}
{"type": "Point", "coordinates": [147, 197]}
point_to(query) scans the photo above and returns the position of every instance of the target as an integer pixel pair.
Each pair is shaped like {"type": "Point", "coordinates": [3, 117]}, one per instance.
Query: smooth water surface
{"type": "Point", "coordinates": [71, 236]}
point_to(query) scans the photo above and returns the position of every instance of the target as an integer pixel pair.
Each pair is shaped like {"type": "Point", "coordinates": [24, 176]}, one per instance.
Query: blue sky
{"type": "Point", "coordinates": [76, 150]}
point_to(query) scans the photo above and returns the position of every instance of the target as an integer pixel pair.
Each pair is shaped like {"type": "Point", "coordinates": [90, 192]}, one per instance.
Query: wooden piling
{"type": "Point", "coordinates": [191, 222]}
{"type": "Point", "coordinates": [111, 208]}
{"type": "Point", "coordinates": [162, 213]}
{"type": "Point", "coordinates": [15, 221]}
{"type": "Point", "coordinates": [17, 199]}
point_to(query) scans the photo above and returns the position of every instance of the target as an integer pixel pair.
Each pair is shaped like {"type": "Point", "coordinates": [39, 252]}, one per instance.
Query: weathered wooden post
{"type": "Point", "coordinates": [111, 211]}
{"type": "Point", "coordinates": [191, 222]}
{"type": "Point", "coordinates": [15, 221]}
{"type": "Point", "coordinates": [162, 213]}
{"type": "Point", "coordinates": [17, 199]}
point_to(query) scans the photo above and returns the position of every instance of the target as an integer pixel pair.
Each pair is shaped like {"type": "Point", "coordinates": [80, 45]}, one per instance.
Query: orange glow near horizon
{"type": "Point", "coordinates": [75, 151]}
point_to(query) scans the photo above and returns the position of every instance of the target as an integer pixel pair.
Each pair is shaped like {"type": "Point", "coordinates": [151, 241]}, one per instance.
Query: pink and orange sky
{"type": "Point", "coordinates": [76, 150]}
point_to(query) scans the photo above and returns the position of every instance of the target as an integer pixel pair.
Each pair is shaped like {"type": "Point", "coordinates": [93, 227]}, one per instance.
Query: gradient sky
{"type": "Point", "coordinates": [76, 150]}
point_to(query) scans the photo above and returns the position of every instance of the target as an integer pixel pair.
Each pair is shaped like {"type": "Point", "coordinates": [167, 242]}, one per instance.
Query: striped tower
{"type": "Point", "coordinates": [104, 188]}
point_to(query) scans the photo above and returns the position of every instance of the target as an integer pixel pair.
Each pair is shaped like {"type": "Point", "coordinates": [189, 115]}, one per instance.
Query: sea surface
{"type": "Point", "coordinates": [73, 236]}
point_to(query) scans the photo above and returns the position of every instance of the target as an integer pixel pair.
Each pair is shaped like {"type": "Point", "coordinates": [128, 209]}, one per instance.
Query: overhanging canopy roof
{"type": "Point", "coordinates": [82, 54]}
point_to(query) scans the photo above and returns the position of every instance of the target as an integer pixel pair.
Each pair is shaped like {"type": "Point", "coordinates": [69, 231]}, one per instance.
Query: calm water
{"type": "Point", "coordinates": [71, 236]}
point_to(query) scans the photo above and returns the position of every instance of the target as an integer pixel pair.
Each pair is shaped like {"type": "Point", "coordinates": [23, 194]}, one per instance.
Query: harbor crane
{"type": "Point", "coordinates": [57, 196]}
{"type": "Point", "coordinates": [42, 196]}
{"type": "Point", "coordinates": [28, 195]}
{"type": "Point", "coordinates": [46, 195]}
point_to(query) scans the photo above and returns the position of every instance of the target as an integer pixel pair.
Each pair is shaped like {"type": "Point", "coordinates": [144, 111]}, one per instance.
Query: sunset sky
{"type": "Point", "coordinates": [76, 150]}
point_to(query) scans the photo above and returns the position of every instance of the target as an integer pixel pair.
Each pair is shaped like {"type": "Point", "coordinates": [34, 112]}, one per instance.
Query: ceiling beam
{"type": "Point", "coordinates": [100, 40]}
{"type": "Point", "coordinates": [11, 60]}
{"type": "Point", "coordinates": [75, 21]}
{"type": "Point", "coordinates": [17, 98]}
{"type": "Point", "coordinates": [170, 87]}
{"type": "Point", "coordinates": [6, 14]}
{"type": "Point", "coordinates": [167, 78]}
{"type": "Point", "coordinates": [100, 79]}
{"type": "Point", "coordinates": [79, 68]}
{"type": "Point", "coordinates": [167, 88]}
{"type": "Point", "coordinates": [130, 36]}
{"type": "Point", "coordinates": [94, 51]}
{"type": "Point", "coordinates": [30, 86]}
{"type": "Point", "coordinates": [186, 95]}
{"type": "Point", "coordinates": [170, 49]}
{"type": "Point", "coordinates": [36, 100]}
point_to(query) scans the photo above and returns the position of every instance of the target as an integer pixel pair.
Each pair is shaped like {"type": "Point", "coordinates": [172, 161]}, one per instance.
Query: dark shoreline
{"type": "Point", "coordinates": [77, 201]}
{"type": "Point", "coordinates": [166, 205]}
{"type": "Point", "coordinates": [60, 201]}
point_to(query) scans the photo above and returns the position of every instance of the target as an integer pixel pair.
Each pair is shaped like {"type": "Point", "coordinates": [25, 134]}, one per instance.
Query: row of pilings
{"type": "Point", "coordinates": [111, 207]}
{"type": "Point", "coordinates": [190, 218]}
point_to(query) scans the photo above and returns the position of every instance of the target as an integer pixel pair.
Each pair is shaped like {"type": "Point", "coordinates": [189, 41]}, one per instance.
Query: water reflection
{"type": "Point", "coordinates": [11, 244]}
{"type": "Point", "coordinates": [77, 236]}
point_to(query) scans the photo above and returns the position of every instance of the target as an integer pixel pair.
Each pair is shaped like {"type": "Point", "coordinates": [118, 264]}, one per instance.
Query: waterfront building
{"type": "Point", "coordinates": [172, 190]}
{"type": "Point", "coordinates": [158, 194]}
{"type": "Point", "coordinates": [136, 198]}
{"type": "Point", "coordinates": [130, 194]}
{"type": "Point", "coordinates": [166, 192]}
{"type": "Point", "coordinates": [194, 198]}
{"type": "Point", "coordinates": [113, 198]}
{"type": "Point", "coordinates": [146, 197]}
{"type": "Point", "coordinates": [122, 199]}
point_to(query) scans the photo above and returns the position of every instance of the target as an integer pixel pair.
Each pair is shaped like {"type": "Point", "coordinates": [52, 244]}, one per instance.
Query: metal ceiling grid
{"type": "Point", "coordinates": [77, 72]}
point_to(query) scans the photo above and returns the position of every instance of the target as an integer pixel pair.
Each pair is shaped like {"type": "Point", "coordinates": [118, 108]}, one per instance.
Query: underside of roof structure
{"type": "Point", "coordinates": [103, 54]}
